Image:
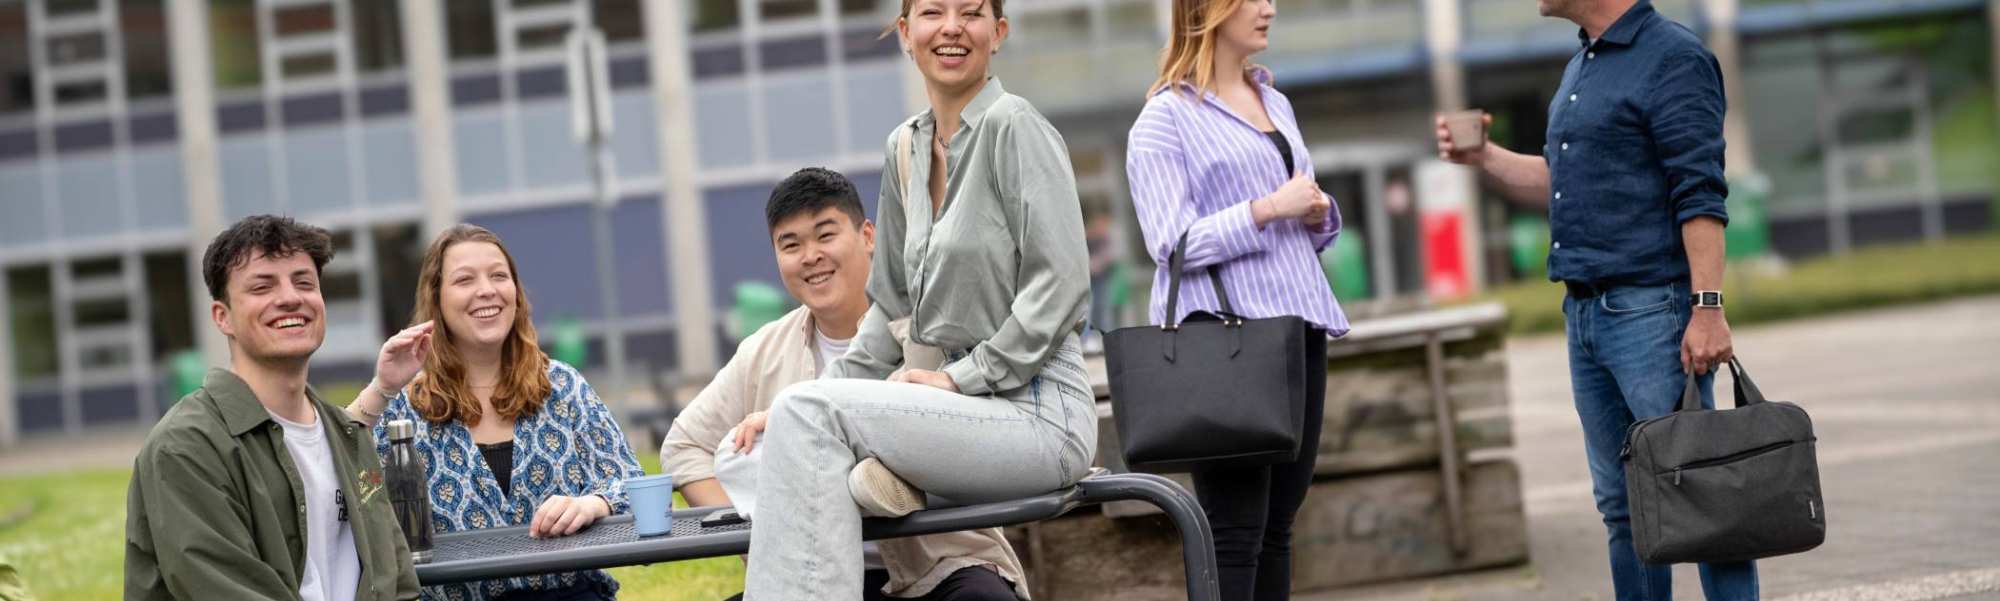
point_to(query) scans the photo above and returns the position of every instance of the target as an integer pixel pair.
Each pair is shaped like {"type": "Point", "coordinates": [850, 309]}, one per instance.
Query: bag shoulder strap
{"type": "Point", "coordinates": [1176, 266]}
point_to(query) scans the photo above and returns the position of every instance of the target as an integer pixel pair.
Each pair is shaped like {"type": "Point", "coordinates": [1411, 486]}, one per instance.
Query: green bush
{"type": "Point", "coordinates": [1871, 277]}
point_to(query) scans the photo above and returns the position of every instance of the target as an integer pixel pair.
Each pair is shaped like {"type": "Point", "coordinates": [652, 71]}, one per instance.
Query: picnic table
{"type": "Point", "coordinates": [611, 542]}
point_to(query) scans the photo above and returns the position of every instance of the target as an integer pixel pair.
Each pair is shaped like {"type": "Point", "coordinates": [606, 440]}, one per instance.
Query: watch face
{"type": "Point", "coordinates": [1709, 299]}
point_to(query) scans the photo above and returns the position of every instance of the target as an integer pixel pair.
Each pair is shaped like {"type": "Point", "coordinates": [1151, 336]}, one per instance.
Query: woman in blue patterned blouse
{"type": "Point", "coordinates": [510, 437]}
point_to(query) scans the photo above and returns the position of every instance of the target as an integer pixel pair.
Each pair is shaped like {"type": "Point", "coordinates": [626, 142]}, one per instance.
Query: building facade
{"type": "Point", "coordinates": [132, 130]}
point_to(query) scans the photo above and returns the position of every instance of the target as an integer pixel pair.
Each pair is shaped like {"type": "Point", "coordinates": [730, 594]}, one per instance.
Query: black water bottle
{"type": "Point", "coordinates": [408, 492]}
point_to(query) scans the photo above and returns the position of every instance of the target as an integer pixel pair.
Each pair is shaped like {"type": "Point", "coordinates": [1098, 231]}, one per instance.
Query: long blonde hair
{"type": "Point", "coordinates": [442, 392]}
{"type": "Point", "coordinates": [1190, 53]}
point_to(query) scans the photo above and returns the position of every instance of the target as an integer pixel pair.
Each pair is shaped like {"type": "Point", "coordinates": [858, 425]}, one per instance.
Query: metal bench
{"type": "Point", "coordinates": [611, 542]}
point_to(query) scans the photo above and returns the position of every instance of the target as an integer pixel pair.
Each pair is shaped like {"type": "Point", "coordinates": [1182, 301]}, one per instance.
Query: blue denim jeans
{"type": "Point", "coordinates": [1624, 364]}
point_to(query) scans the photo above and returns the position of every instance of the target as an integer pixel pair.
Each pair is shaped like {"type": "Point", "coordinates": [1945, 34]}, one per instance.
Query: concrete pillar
{"type": "Point", "coordinates": [194, 107]}
{"type": "Point", "coordinates": [1724, 41]}
{"type": "Point", "coordinates": [1442, 37]}
{"type": "Point", "coordinates": [1444, 34]}
{"type": "Point", "coordinates": [683, 220]}
{"type": "Point", "coordinates": [430, 114]}
{"type": "Point", "coordinates": [10, 431]}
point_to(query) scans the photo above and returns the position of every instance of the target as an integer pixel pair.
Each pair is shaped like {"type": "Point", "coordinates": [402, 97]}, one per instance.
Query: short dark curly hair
{"type": "Point", "coordinates": [809, 190]}
{"type": "Point", "coordinates": [272, 235]}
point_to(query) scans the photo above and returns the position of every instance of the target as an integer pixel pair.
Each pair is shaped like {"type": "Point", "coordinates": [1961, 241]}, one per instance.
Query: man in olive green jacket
{"type": "Point", "coordinates": [252, 487]}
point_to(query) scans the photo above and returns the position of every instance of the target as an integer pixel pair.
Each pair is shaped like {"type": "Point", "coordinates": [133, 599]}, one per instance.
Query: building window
{"type": "Point", "coordinates": [168, 297]}
{"type": "Point", "coordinates": [469, 29]}
{"type": "Point", "coordinates": [31, 309]}
{"type": "Point", "coordinates": [233, 45]}
{"type": "Point", "coordinates": [148, 70]}
{"type": "Point", "coordinates": [853, 8]}
{"type": "Point", "coordinates": [774, 10]}
{"type": "Point", "coordinates": [378, 31]}
{"type": "Point", "coordinates": [17, 78]}
{"type": "Point", "coordinates": [619, 19]}
{"type": "Point", "coordinates": [714, 15]}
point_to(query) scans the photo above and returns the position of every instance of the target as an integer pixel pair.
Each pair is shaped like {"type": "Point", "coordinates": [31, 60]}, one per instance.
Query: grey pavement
{"type": "Point", "coordinates": [1906, 403]}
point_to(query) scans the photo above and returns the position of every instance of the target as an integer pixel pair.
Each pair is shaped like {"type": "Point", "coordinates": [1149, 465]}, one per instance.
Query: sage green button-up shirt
{"type": "Point", "coordinates": [216, 509]}
{"type": "Point", "coordinates": [1000, 273]}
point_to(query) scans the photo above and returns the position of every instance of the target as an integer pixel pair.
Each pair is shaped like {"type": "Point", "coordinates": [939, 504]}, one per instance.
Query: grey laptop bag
{"type": "Point", "coordinates": [1717, 486]}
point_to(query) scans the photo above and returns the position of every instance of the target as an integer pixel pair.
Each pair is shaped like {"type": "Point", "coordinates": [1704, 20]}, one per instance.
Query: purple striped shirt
{"type": "Point", "coordinates": [1194, 166]}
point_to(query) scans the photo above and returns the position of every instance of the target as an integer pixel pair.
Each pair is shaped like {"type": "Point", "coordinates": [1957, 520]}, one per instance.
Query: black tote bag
{"type": "Point", "coordinates": [1193, 395]}
{"type": "Point", "coordinates": [1720, 486]}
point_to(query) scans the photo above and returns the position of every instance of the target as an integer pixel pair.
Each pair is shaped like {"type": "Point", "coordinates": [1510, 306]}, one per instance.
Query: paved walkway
{"type": "Point", "coordinates": [1906, 403]}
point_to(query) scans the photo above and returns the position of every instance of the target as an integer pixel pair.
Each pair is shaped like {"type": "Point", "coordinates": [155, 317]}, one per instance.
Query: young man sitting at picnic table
{"type": "Point", "coordinates": [252, 486]}
{"type": "Point", "coordinates": [823, 242]}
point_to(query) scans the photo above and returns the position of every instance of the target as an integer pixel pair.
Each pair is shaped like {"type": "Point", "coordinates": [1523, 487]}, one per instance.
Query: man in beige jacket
{"type": "Point", "coordinates": [823, 241]}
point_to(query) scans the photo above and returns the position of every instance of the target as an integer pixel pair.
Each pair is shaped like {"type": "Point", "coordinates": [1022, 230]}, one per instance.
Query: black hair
{"type": "Point", "coordinates": [809, 190]}
{"type": "Point", "coordinates": [270, 235]}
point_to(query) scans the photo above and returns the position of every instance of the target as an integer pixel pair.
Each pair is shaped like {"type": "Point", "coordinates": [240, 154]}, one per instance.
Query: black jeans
{"type": "Point", "coordinates": [1251, 510]}
{"type": "Point", "coordinates": [972, 583]}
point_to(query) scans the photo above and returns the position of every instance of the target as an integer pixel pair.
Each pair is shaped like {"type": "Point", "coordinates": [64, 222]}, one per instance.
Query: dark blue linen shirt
{"type": "Point", "coordinates": [1634, 150]}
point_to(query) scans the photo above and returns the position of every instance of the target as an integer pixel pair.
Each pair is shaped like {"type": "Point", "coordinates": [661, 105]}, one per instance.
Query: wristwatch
{"type": "Point", "coordinates": [1708, 299]}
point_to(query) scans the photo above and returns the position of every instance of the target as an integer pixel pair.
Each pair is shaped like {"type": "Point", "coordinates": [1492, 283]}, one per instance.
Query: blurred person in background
{"type": "Point", "coordinates": [1216, 159]}
{"type": "Point", "coordinates": [979, 242]}
{"type": "Point", "coordinates": [215, 509]}
{"type": "Point", "coordinates": [822, 239]}
{"type": "Point", "coordinates": [509, 437]}
{"type": "Point", "coordinates": [1632, 177]}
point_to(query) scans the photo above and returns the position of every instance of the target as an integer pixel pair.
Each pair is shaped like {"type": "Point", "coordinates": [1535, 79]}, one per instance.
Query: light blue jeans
{"type": "Point", "coordinates": [959, 449]}
{"type": "Point", "coordinates": [1625, 366]}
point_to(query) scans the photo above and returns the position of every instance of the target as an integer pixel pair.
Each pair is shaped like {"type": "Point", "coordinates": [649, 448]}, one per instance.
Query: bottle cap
{"type": "Point", "coordinates": [401, 430]}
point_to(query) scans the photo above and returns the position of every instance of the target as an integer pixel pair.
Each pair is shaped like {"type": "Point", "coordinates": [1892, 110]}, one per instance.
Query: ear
{"type": "Point", "coordinates": [999, 34]}
{"type": "Point", "coordinates": [218, 312]}
{"type": "Point", "coordinates": [903, 36]}
{"type": "Point", "coordinates": [868, 236]}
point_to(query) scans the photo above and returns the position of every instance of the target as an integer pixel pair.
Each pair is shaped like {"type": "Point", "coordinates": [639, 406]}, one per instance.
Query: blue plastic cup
{"type": "Point", "coordinates": [652, 504]}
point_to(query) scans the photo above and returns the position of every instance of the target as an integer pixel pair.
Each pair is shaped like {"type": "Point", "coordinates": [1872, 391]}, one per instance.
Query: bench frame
{"type": "Point", "coordinates": [541, 557]}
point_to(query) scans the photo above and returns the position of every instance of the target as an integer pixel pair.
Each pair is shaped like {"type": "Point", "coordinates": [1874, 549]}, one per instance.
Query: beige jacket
{"type": "Point", "coordinates": [779, 355]}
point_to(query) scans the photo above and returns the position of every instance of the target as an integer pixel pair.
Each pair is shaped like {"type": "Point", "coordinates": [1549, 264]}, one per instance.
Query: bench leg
{"type": "Point", "coordinates": [1197, 541]}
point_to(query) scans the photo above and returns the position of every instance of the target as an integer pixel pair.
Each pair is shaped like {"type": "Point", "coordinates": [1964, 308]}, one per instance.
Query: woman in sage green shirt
{"type": "Point", "coordinates": [979, 241]}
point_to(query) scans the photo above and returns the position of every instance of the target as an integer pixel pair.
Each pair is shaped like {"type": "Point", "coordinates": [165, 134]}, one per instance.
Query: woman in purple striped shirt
{"type": "Point", "coordinates": [1216, 158]}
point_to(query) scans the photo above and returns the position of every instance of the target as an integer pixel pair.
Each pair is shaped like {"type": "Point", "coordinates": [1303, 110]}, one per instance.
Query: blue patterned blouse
{"type": "Point", "coordinates": [571, 447]}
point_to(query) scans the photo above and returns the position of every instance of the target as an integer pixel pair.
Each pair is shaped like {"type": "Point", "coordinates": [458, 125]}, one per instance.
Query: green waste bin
{"type": "Point", "coordinates": [1346, 266]}
{"type": "Point", "coordinates": [188, 369]}
{"type": "Point", "coordinates": [757, 303]}
{"type": "Point", "coordinates": [1528, 243]}
{"type": "Point", "coordinates": [567, 342]}
{"type": "Point", "coordinates": [1749, 231]}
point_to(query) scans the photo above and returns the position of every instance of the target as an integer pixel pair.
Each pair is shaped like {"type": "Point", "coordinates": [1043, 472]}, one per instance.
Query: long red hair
{"type": "Point", "coordinates": [442, 393]}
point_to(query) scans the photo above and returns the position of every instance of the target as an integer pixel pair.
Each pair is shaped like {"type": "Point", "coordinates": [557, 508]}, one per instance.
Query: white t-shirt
{"type": "Point", "coordinates": [332, 568]}
{"type": "Point", "coordinates": [826, 348]}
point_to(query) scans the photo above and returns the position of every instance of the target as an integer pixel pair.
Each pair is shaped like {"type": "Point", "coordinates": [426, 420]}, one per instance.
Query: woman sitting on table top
{"type": "Point", "coordinates": [509, 436]}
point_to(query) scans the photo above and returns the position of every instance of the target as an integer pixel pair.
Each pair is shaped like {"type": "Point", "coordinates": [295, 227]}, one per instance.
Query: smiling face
{"type": "Point", "coordinates": [952, 41]}
{"type": "Point", "coordinates": [272, 309]}
{"type": "Point", "coordinates": [1247, 28]}
{"type": "Point", "coordinates": [823, 258]}
{"type": "Point", "coordinates": [477, 295]}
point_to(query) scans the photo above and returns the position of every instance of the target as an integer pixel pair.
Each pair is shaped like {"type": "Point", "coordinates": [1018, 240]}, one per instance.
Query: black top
{"type": "Point", "coordinates": [500, 458]}
{"type": "Point", "coordinates": [1284, 150]}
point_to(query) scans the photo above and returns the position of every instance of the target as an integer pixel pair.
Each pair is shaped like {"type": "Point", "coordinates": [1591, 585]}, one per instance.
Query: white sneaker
{"type": "Point", "coordinates": [880, 492]}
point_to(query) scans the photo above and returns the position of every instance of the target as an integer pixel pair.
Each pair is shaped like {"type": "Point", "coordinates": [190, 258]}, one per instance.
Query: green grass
{"type": "Point", "coordinates": [65, 534]}
{"type": "Point", "coordinates": [1871, 277]}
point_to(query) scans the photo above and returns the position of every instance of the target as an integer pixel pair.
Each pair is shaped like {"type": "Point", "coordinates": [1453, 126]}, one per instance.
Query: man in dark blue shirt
{"type": "Point", "coordinates": [1632, 177]}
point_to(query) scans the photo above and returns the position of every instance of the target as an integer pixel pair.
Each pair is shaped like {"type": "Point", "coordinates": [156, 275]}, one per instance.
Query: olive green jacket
{"type": "Point", "coordinates": [216, 509]}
